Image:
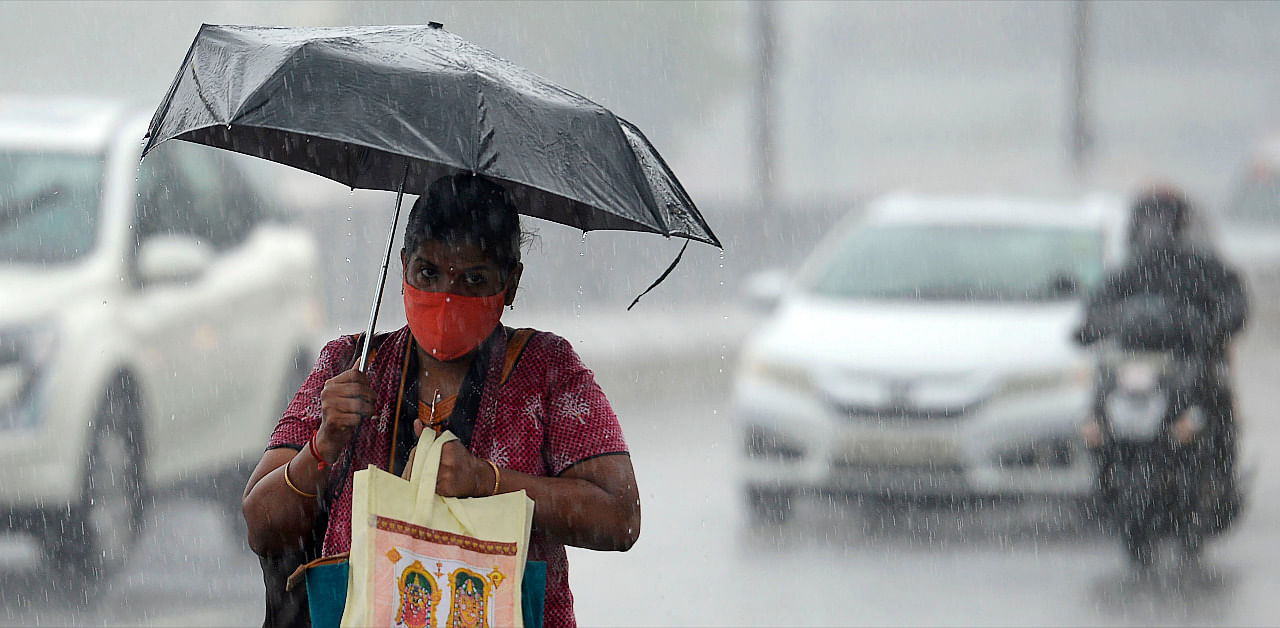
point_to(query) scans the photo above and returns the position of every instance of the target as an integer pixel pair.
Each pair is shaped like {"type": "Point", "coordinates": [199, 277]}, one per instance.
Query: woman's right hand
{"type": "Point", "coordinates": [345, 400]}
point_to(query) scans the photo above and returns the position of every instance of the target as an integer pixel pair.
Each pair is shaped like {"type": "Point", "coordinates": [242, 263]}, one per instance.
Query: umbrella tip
{"type": "Point", "coordinates": [435, 25]}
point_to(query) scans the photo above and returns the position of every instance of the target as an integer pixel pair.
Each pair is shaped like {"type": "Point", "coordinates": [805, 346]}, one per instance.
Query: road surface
{"type": "Point", "coordinates": [699, 562]}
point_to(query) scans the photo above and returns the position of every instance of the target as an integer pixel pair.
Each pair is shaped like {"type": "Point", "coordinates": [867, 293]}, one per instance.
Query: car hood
{"type": "Point", "coordinates": [913, 339]}
{"type": "Point", "coordinates": [32, 293]}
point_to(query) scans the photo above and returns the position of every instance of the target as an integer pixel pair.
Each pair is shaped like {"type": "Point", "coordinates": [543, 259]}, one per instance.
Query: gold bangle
{"type": "Point", "coordinates": [289, 483]}
{"type": "Point", "coordinates": [497, 477]}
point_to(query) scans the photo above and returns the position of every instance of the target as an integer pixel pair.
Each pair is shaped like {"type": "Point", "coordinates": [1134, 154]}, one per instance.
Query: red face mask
{"type": "Point", "coordinates": [449, 326]}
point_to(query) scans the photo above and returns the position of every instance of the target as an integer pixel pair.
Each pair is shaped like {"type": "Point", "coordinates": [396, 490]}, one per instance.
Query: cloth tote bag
{"type": "Point", "coordinates": [425, 561]}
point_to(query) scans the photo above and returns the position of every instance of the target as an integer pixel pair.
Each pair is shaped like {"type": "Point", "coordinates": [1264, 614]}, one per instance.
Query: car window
{"type": "Point", "coordinates": [961, 263]}
{"type": "Point", "coordinates": [184, 189]}
{"type": "Point", "coordinates": [49, 205]}
{"type": "Point", "coordinates": [232, 206]}
{"type": "Point", "coordinates": [166, 199]}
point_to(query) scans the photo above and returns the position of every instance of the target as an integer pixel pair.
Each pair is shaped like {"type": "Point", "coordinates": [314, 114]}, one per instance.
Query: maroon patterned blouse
{"type": "Point", "coordinates": [548, 416]}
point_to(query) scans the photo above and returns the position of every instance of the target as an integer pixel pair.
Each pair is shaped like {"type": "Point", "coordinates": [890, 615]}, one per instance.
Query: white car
{"type": "Point", "coordinates": [925, 349]}
{"type": "Point", "coordinates": [1250, 225]}
{"type": "Point", "coordinates": [154, 320]}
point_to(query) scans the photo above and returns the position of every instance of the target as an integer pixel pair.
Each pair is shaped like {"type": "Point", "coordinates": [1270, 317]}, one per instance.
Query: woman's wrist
{"type": "Point", "coordinates": [483, 474]}
{"type": "Point", "coordinates": [322, 448]}
{"type": "Point", "coordinates": [497, 477]}
{"type": "Point", "coordinates": [322, 461]}
{"type": "Point", "coordinates": [293, 483]}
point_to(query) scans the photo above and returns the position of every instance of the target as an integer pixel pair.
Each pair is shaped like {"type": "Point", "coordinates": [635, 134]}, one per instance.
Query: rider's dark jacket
{"type": "Point", "coordinates": [1207, 297]}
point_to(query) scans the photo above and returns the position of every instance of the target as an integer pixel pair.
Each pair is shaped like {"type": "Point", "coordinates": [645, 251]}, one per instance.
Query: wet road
{"type": "Point", "coordinates": [699, 563]}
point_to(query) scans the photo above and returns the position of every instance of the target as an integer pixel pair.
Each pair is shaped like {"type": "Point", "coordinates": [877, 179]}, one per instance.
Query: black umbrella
{"type": "Point", "coordinates": [396, 107]}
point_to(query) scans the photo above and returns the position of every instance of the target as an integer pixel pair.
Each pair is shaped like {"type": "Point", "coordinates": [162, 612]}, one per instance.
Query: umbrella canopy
{"type": "Point", "coordinates": [380, 107]}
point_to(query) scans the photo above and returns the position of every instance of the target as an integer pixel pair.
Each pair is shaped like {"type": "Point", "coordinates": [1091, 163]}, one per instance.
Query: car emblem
{"type": "Point", "coordinates": [900, 393]}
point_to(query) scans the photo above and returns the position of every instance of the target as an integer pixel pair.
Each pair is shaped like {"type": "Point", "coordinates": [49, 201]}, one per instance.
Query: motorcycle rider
{"type": "Point", "coordinates": [1209, 307]}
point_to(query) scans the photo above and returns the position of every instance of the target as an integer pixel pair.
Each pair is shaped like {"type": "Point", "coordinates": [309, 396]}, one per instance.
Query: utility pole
{"type": "Point", "coordinates": [765, 36]}
{"type": "Point", "coordinates": [1081, 139]}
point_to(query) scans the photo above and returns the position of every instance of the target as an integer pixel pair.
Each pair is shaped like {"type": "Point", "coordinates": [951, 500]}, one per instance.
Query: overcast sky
{"type": "Point", "coordinates": [873, 95]}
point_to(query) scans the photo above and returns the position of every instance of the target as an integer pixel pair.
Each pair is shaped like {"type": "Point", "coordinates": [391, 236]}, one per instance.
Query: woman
{"type": "Point", "coordinates": [542, 426]}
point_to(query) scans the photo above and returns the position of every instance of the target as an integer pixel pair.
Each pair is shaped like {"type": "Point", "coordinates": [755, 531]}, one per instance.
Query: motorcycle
{"type": "Point", "coordinates": [1163, 433]}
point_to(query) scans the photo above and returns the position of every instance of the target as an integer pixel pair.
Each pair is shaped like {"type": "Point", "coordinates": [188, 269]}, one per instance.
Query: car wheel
{"type": "Point", "coordinates": [96, 537]}
{"type": "Point", "coordinates": [770, 506]}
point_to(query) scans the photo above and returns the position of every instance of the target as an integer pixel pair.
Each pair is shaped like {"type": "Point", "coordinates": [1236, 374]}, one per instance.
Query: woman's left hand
{"type": "Point", "coordinates": [462, 474]}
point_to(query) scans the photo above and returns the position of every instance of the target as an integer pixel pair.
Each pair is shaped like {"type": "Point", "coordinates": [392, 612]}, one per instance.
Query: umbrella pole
{"type": "Point", "coordinates": [382, 276]}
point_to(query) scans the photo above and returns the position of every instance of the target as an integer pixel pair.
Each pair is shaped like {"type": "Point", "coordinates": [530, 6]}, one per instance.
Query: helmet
{"type": "Point", "coordinates": [1164, 204]}
{"type": "Point", "coordinates": [1158, 217]}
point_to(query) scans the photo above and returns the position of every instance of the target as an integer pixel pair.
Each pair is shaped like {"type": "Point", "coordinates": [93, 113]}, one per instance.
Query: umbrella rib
{"type": "Point", "coordinates": [204, 100]}
{"type": "Point", "coordinates": [663, 277]}
{"type": "Point", "coordinates": [482, 119]}
{"type": "Point", "coordinates": [167, 102]}
{"type": "Point", "coordinates": [240, 111]}
{"type": "Point", "coordinates": [678, 188]}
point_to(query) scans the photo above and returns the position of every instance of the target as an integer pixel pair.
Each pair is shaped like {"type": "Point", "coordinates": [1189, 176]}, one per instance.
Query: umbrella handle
{"type": "Point", "coordinates": [382, 275]}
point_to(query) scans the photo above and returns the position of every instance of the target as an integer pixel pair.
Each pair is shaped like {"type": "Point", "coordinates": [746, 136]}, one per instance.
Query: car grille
{"type": "Point", "coordinates": [926, 467]}
{"type": "Point", "coordinates": [907, 413]}
{"type": "Point", "coordinates": [1045, 454]}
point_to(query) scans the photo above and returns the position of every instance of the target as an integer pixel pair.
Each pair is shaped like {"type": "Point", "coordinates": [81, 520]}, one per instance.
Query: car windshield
{"type": "Point", "coordinates": [961, 263]}
{"type": "Point", "coordinates": [1257, 202]}
{"type": "Point", "coordinates": [48, 205]}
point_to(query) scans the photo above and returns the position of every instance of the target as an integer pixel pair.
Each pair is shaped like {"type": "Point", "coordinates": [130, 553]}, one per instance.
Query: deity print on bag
{"type": "Point", "coordinates": [439, 579]}
{"type": "Point", "coordinates": [467, 609]}
{"type": "Point", "coordinates": [419, 596]}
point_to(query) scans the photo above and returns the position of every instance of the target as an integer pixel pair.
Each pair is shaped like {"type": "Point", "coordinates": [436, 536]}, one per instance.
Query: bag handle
{"type": "Point", "coordinates": [425, 470]}
{"type": "Point", "coordinates": [429, 467]}
{"type": "Point", "coordinates": [515, 348]}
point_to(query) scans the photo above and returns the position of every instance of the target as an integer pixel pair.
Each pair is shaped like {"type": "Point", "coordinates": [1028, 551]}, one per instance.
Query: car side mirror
{"type": "Point", "coordinates": [764, 289]}
{"type": "Point", "coordinates": [166, 259]}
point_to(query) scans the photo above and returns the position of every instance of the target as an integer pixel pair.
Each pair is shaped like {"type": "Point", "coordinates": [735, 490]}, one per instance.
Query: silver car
{"type": "Point", "coordinates": [925, 350]}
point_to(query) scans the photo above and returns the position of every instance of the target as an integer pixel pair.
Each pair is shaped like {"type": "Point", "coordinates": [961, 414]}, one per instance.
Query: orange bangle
{"type": "Point", "coordinates": [497, 477]}
{"type": "Point", "coordinates": [297, 490]}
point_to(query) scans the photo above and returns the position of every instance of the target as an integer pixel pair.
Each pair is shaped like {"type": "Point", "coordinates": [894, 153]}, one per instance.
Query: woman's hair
{"type": "Point", "coordinates": [467, 209]}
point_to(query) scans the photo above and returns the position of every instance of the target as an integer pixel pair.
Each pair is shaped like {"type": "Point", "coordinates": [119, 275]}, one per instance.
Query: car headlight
{"type": "Point", "coordinates": [24, 353]}
{"type": "Point", "coordinates": [1077, 376]}
{"type": "Point", "coordinates": [786, 375]}
{"type": "Point", "coordinates": [762, 442]}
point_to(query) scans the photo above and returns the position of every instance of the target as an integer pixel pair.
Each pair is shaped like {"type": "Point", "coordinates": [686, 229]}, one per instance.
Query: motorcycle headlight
{"type": "Point", "coordinates": [1137, 377]}
{"type": "Point", "coordinates": [24, 353]}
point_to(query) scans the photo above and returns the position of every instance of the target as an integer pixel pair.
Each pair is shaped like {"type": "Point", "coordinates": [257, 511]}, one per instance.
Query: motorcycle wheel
{"type": "Point", "coordinates": [1192, 548]}
{"type": "Point", "coordinates": [1141, 552]}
